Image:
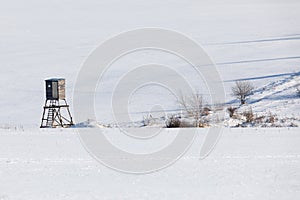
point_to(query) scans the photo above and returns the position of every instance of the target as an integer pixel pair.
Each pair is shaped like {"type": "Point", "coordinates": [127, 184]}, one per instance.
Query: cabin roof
{"type": "Point", "coordinates": [55, 79]}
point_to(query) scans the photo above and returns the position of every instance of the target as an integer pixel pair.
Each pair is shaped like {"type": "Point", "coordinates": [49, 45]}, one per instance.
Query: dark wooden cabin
{"type": "Point", "coordinates": [55, 89]}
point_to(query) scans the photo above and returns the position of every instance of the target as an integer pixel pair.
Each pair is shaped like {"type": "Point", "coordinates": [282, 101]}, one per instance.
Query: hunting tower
{"type": "Point", "coordinates": [56, 105]}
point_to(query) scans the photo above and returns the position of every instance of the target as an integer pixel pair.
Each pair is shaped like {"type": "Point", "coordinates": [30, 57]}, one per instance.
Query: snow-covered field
{"type": "Point", "coordinates": [255, 40]}
{"type": "Point", "coordinates": [246, 164]}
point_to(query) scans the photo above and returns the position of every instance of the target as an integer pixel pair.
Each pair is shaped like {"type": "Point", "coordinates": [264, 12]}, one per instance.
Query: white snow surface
{"type": "Point", "coordinates": [246, 164]}
{"type": "Point", "coordinates": [255, 40]}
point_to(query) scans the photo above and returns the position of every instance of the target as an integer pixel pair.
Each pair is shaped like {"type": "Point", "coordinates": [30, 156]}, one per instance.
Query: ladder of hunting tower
{"type": "Point", "coordinates": [50, 116]}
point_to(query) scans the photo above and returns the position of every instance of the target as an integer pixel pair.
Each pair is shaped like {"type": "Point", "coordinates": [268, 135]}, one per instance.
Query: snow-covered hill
{"type": "Point", "coordinates": [278, 100]}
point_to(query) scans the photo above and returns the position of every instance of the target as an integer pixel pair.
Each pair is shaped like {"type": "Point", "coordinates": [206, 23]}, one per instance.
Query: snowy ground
{"type": "Point", "coordinates": [255, 40]}
{"type": "Point", "coordinates": [246, 164]}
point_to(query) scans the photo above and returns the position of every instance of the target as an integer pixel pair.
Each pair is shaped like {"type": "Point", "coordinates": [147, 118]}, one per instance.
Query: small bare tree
{"type": "Point", "coordinates": [242, 90]}
{"type": "Point", "coordinates": [193, 106]}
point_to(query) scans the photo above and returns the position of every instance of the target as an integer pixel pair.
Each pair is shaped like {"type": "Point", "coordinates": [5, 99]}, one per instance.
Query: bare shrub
{"type": "Point", "coordinates": [193, 106]}
{"type": "Point", "coordinates": [242, 90]}
{"type": "Point", "coordinates": [231, 111]}
{"type": "Point", "coordinates": [173, 122]}
{"type": "Point", "coordinates": [147, 120]}
{"type": "Point", "coordinates": [271, 118]}
{"type": "Point", "coordinates": [249, 116]}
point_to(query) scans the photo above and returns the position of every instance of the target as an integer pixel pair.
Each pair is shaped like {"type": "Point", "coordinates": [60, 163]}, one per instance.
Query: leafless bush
{"type": "Point", "coordinates": [193, 106]}
{"type": "Point", "coordinates": [231, 111]}
{"type": "Point", "coordinates": [242, 90]}
{"type": "Point", "coordinates": [147, 120]}
{"type": "Point", "coordinates": [271, 118]}
{"type": "Point", "coordinates": [173, 122]}
{"type": "Point", "coordinates": [249, 116]}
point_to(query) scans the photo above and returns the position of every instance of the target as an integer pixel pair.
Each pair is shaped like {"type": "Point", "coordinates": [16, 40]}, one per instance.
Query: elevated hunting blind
{"type": "Point", "coordinates": [56, 110]}
{"type": "Point", "coordinates": [55, 89]}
